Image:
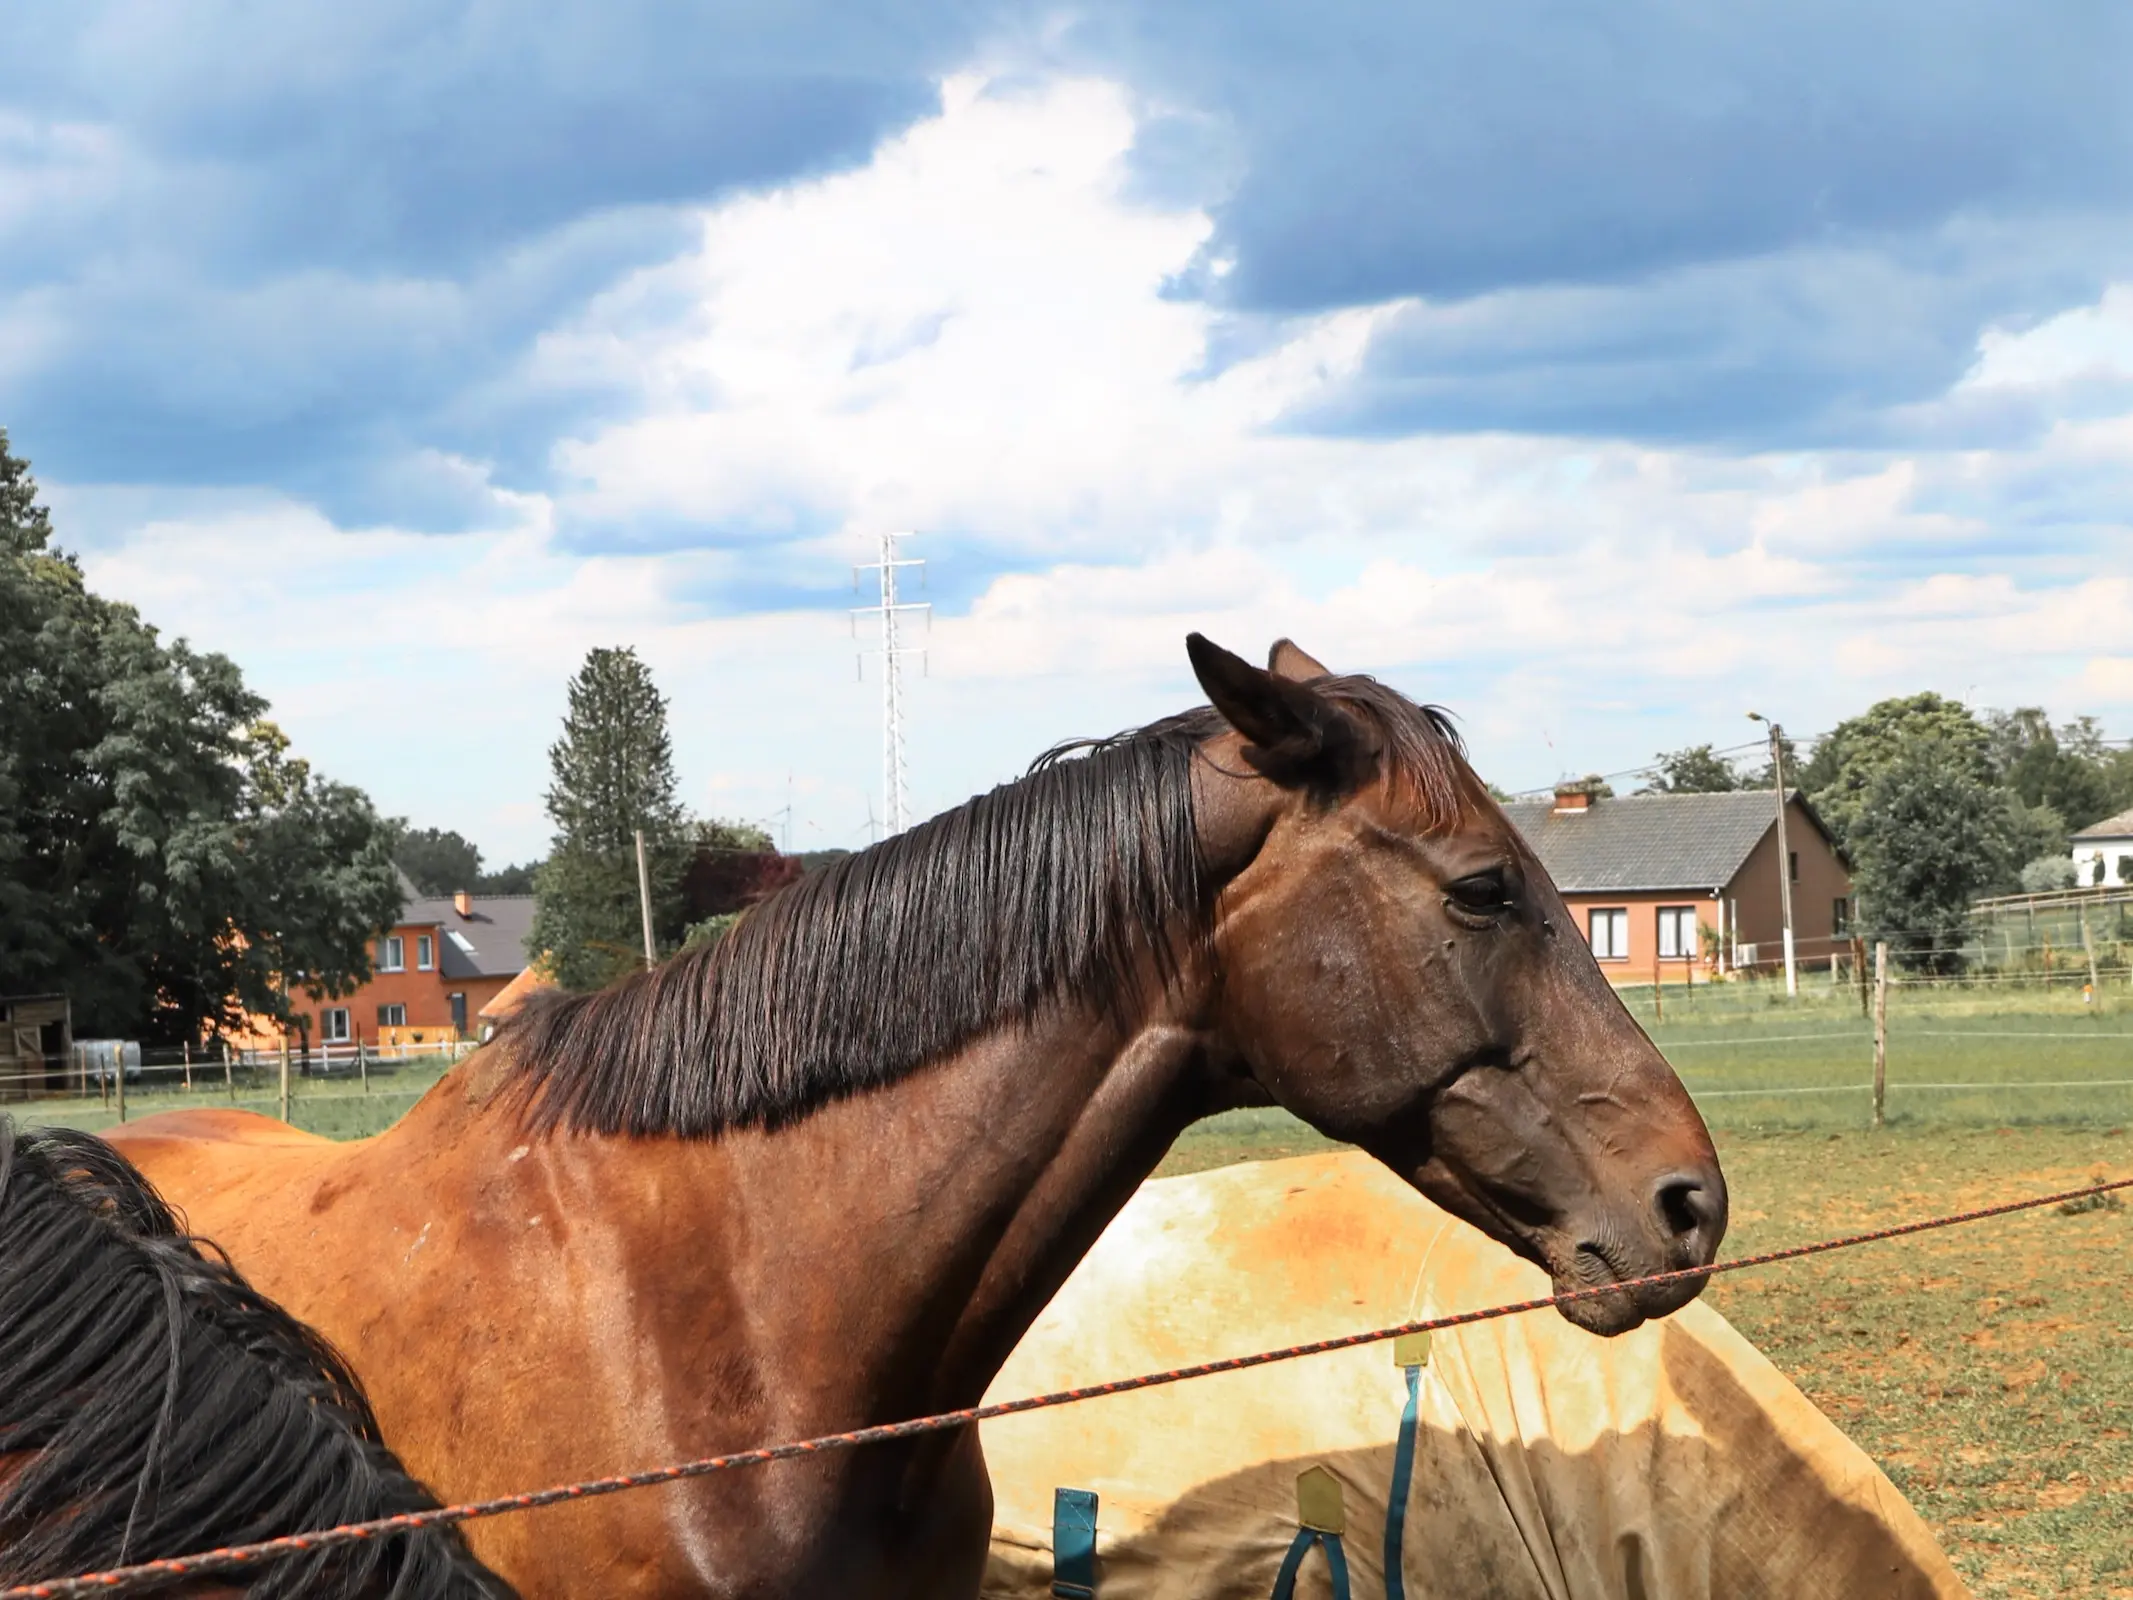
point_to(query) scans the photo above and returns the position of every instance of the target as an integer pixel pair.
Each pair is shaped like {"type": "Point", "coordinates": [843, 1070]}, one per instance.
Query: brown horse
{"type": "Point", "coordinates": [763, 1192]}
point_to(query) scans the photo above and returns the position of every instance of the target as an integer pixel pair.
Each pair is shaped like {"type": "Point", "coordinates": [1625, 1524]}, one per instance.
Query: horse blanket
{"type": "Point", "coordinates": [1672, 1463]}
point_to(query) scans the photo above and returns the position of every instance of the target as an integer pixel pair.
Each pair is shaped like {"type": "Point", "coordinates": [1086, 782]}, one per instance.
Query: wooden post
{"type": "Point", "coordinates": [362, 1060]}
{"type": "Point", "coordinates": [187, 1047]}
{"type": "Point", "coordinates": [1881, 1027]}
{"type": "Point", "coordinates": [229, 1078]}
{"type": "Point", "coordinates": [1866, 1005]}
{"type": "Point", "coordinates": [103, 1086]}
{"type": "Point", "coordinates": [2088, 948]}
{"type": "Point", "coordinates": [285, 1077]}
{"type": "Point", "coordinates": [119, 1077]}
{"type": "Point", "coordinates": [1658, 1006]}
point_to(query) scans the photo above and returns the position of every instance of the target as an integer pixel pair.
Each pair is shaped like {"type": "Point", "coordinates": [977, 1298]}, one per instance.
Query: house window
{"type": "Point", "coordinates": [392, 954]}
{"type": "Point", "coordinates": [333, 1025]}
{"type": "Point", "coordinates": [425, 952]}
{"type": "Point", "coordinates": [1792, 864]}
{"type": "Point", "coordinates": [459, 1014]}
{"type": "Point", "coordinates": [1609, 932]}
{"type": "Point", "coordinates": [392, 1016]}
{"type": "Point", "coordinates": [1677, 933]}
{"type": "Point", "coordinates": [1840, 916]}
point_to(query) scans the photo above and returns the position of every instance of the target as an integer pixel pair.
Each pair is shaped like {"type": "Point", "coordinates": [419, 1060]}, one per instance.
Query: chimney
{"type": "Point", "coordinates": [462, 902]}
{"type": "Point", "coordinates": [1573, 796]}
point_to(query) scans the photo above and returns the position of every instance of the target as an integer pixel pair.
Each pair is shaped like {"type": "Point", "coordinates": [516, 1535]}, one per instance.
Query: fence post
{"type": "Point", "coordinates": [1866, 1008]}
{"type": "Point", "coordinates": [120, 1077]}
{"type": "Point", "coordinates": [229, 1078]}
{"type": "Point", "coordinates": [285, 1077]}
{"type": "Point", "coordinates": [2088, 948]}
{"type": "Point", "coordinates": [187, 1047]}
{"type": "Point", "coordinates": [362, 1063]}
{"type": "Point", "coordinates": [1881, 1026]}
{"type": "Point", "coordinates": [1658, 1006]}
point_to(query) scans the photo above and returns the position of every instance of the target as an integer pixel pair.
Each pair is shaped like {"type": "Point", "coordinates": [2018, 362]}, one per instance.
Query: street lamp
{"type": "Point", "coordinates": [1777, 773]}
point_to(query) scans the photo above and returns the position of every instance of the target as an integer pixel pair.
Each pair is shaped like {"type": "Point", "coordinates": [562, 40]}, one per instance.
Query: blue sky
{"type": "Point", "coordinates": [1598, 374]}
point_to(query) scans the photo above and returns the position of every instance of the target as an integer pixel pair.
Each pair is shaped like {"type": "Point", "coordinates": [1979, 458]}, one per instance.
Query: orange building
{"type": "Point", "coordinates": [432, 972]}
{"type": "Point", "coordinates": [1673, 882]}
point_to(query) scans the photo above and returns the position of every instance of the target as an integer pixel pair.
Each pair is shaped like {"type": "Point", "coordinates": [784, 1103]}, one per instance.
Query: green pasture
{"type": "Point", "coordinates": [1958, 1056]}
{"type": "Point", "coordinates": [1968, 1057]}
{"type": "Point", "coordinates": [340, 1107]}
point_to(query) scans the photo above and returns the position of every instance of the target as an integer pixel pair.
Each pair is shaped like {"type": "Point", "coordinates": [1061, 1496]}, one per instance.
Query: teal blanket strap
{"type": "Point", "coordinates": [1403, 1478]}
{"type": "Point", "coordinates": [1292, 1563]}
{"type": "Point", "coordinates": [1074, 1544]}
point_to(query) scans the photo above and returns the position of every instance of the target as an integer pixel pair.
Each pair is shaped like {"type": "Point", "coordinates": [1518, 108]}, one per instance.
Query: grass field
{"type": "Point", "coordinates": [1986, 1368]}
{"type": "Point", "coordinates": [338, 1107]}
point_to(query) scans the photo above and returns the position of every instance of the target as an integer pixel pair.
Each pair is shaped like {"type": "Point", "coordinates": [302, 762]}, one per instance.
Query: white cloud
{"type": "Point", "coordinates": [970, 335]}
{"type": "Point", "coordinates": [2089, 342]}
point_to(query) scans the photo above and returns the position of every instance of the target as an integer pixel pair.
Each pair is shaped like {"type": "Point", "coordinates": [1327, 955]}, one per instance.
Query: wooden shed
{"type": "Point", "coordinates": [36, 1045]}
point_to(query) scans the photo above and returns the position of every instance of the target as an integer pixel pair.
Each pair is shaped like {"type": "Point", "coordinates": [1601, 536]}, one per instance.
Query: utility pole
{"type": "Point", "coordinates": [1777, 772]}
{"type": "Point", "coordinates": [644, 905]}
{"type": "Point", "coordinates": [895, 789]}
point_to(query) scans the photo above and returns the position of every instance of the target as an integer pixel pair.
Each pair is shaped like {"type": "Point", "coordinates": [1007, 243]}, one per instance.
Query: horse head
{"type": "Point", "coordinates": [1398, 970]}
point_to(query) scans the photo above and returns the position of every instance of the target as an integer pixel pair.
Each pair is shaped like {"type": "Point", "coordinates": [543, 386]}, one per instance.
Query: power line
{"type": "Point", "coordinates": [1652, 766]}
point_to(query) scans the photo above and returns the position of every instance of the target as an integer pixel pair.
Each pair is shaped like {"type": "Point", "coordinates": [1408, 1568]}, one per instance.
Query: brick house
{"type": "Point", "coordinates": [1677, 882]}
{"type": "Point", "coordinates": [431, 972]}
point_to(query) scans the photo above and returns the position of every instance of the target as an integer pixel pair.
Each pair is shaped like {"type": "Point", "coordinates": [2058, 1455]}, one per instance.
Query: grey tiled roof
{"type": "Point", "coordinates": [496, 931]}
{"type": "Point", "coordinates": [1647, 841]}
{"type": "Point", "coordinates": [2118, 827]}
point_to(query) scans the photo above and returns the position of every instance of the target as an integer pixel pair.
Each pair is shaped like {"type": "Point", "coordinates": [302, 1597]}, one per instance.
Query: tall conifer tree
{"type": "Point", "coordinates": [612, 773]}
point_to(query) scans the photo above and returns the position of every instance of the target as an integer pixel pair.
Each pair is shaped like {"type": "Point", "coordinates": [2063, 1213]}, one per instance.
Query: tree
{"type": "Point", "coordinates": [612, 775]}
{"type": "Point", "coordinates": [1854, 754]}
{"type": "Point", "coordinates": [1693, 771]}
{"type": "Point", "coordinates": [25, 526]}
{"type": "Point", "coordinates": [517, 879]}
{"type": "Point", "coordinates": [2117, 769]}
{"type": "Point", "coordinates": [1929, 833]}
{"type": "Point", "coordinates": [731, 867]}
{"type": "Point", "coordinates": [163, 860]}
{"type": "Point", "coordinates": [2063, 769]}
{"type": "Point", "coordinates": [437, 860]}
{"type": "Point", "coordinates": [440, 861]}
{"type": "Point", "coordinates": [2044, 874]}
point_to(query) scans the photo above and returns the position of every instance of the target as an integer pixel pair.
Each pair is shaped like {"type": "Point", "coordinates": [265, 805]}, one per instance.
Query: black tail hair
{"type": "Point", "coordinates": [154, 1404]}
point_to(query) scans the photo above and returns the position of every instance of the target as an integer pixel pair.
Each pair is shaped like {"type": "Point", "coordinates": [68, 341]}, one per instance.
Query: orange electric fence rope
{"type": "Point", "coordinates": [154, 1574]}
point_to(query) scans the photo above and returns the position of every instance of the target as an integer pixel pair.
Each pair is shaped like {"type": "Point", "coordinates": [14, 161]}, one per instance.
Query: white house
{"type": "Point", "coordinates": [2103, 852]}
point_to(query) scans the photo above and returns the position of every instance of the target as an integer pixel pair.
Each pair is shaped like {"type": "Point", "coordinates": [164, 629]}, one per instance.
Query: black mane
{"type": "Point", "coordinates": [1069, 885]}
{"type": "Point", "coordinates": [157, 1405]}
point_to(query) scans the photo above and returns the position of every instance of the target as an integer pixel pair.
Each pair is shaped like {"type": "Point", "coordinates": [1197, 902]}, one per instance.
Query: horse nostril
{"type": "Point", "coordinates": [1692, 1209]}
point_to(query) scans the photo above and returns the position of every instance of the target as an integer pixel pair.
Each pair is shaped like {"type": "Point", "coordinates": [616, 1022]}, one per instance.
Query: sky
{"type": "Point", "coordinates": [1598, 374]}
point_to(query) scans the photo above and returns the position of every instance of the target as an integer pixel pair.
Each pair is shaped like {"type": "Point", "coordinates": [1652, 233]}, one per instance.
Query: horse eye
{"type": "Point", "coordinates": [1483, 892]}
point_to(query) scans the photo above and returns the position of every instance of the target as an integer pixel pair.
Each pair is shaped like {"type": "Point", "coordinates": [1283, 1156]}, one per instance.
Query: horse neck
{"type": "Point", "coordinates": [891, 1248]}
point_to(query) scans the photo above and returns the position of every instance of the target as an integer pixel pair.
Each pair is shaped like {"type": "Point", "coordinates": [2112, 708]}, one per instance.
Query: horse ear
{"type": "Point", "coordinates": [1290, 660]}
{"type": "Point", "coordinates": [1297, 737]}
